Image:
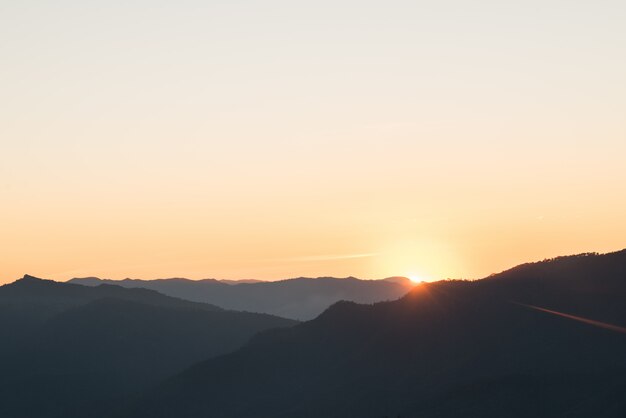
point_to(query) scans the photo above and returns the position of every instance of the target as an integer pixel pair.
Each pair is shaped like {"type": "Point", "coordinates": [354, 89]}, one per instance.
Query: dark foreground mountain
{"type": "Point", "coordinates": [447, 349]}
{"type": "Point", "coordinates": [301, 299]}
{"type": "Point", "coordinates": [74, 351]}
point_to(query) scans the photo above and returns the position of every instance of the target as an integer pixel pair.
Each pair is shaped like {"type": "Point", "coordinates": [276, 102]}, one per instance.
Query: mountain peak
{"type": "Point", "coordinates": [29, 278]}
{"type": "Point", "coordinates": [399, 280]}
{"type": "Point", "coordinates": [31, 282]}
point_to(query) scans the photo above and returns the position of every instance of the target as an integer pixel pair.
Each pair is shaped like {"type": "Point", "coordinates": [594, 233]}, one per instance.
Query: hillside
{"type": "Point", "coordinates": [300, 299]}
{"type": "Point", "coordinates": [77, 349]}
{"type": "Point", "coordinates": [447, 349]}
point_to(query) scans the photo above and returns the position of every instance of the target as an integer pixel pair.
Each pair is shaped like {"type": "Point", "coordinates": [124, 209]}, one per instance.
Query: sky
{"type": "Point", "coordinates": [273, 139]}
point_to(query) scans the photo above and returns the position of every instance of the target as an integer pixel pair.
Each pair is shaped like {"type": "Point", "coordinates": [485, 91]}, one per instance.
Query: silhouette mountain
{"type": "Point", "coordinates": [300, 299]}
{"type": "Point", "coordinates": [447, 349]}
{"type": "Point", "coordinates": [75, 351]}
{"type": "Point", "coordinates": [241, 281]}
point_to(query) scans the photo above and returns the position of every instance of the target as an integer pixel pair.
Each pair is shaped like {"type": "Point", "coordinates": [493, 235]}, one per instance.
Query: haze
{"type": "Point", "coordinates": [273, 139]}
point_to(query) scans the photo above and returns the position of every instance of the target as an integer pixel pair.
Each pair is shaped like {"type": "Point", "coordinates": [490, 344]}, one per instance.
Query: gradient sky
{"type": "Point", "coordinates": [273, 139]}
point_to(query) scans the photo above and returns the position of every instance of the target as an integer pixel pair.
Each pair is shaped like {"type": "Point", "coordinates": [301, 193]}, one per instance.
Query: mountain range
{"type": "Point", "coordinates": [300, 299]}
{"type": "Point", "coordinates": [544, 339]}
{"type": "Point", "coordinates": [75, 351]}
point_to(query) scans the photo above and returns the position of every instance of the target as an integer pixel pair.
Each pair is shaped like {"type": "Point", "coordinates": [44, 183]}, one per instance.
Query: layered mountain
{"type": "Point", "coordinates": [300, 299]}
{"type": "Point", "coordinates": [69, 350]}
{"type": "Point", "coordinates": [544, 339]}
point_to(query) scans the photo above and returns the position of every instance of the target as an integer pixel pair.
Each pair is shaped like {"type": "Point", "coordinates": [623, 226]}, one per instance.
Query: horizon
{"type": "Point", "coordinates": [413, 280]}
{"type": "Point", "coordinates": [273, 140]}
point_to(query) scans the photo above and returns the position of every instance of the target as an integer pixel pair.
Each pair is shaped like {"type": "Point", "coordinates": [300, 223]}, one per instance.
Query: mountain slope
{"type": "Point", "coordinates": [447, 349]}
{"type": "Point", "coordinates": [300, 299]}
{"type": "Point", "coordinates": [69, 350]}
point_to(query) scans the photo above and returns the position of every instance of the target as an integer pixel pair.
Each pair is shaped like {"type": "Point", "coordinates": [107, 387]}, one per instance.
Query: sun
{"type": "Point", "coordinates": [415, 278]}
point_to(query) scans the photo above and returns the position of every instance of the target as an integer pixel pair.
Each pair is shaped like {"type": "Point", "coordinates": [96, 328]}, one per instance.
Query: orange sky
{"type": "Point", "coordinates": [271, 139]}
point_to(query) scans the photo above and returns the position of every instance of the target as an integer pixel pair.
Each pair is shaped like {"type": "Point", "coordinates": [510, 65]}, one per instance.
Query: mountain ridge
{"type": "Point", "coordinates": [446, 349]}
{"type": "Point", "coordinates": [299, 298]}
{"type": "Point", "coordinates": [103, 344]}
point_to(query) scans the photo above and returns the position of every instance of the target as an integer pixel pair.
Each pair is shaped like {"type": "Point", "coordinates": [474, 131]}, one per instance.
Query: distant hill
{"type": "Point", "coordinates": [242, 281]}
{"type": "Point", "coordinates": [75, 351]}
{"type": "Point", "coordinates": [300, 299]}
{"type": "Point", "coordinates": [447, 349]}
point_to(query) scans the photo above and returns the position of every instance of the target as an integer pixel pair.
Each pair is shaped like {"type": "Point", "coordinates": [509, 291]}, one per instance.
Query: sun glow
{"type": "Point", "coordinates": [415, 278]}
